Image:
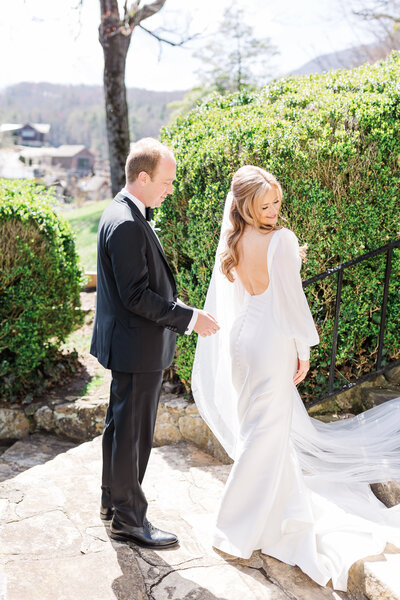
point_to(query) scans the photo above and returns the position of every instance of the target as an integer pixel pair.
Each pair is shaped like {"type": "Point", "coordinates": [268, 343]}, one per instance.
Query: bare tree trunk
{"type": "Point", "coordinates": [115, 48]}
{"type": "Point", "coordinates": [115, 36]}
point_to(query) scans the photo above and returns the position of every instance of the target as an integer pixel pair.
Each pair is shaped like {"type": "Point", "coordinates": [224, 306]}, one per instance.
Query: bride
{"type": "Point", "coordinates": [299, 488]}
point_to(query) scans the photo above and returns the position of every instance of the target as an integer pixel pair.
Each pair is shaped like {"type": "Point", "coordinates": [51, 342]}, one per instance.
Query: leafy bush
{"type": "Point", "coordinates": [40, 282]}
{"type": "Point", "coordinates": [333, 141]}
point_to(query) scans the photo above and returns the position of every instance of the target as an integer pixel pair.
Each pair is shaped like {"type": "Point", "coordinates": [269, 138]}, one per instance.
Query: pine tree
{"type": "Point", "coordinates": [235, 58]}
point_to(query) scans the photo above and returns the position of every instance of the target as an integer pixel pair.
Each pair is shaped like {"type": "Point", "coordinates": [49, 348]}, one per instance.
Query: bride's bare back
{"type": "Point", "coordinates": [252, 268]}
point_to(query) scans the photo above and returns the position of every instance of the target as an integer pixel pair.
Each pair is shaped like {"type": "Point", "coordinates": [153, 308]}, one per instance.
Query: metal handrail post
{"type": "Point", "coordinates": [388, 271]}
{"type": "Point", "coordinates": [335, 329]}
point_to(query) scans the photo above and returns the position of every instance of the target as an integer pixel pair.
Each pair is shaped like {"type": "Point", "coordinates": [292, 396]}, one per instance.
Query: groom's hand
{"type": "Point", "coordinates": [205, 324]}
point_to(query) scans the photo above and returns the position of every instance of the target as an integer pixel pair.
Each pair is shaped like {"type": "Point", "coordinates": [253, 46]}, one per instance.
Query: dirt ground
{"type": "Point", "coordinates": [90, 378]}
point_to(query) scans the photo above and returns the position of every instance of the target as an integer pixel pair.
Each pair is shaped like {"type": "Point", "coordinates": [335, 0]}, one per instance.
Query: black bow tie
{"type": "Point", "coordinates": [149, 213]}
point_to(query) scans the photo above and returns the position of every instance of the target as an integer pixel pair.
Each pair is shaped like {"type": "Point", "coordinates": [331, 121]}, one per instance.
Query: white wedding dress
{"type": "Point", "coordinates": [299, 488]}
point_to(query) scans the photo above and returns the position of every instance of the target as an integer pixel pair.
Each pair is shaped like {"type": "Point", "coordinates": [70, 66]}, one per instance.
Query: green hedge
{"type": "Point", "coordinates": [333, 141]}
{"type": "Point", "coordinates": [40, 281]}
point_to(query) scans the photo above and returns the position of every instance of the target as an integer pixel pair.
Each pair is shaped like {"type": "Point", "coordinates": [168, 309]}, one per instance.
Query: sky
{"type": "Point", "coordinates": [54, 41]}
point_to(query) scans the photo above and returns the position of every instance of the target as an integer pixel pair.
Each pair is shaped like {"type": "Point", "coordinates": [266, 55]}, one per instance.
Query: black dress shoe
{"type": "Point", "coordinates": [147, 536]}
{"type": "Point", "coordinates": [106, 514]}
{"type": "Point", "coordinates": [106, 507]}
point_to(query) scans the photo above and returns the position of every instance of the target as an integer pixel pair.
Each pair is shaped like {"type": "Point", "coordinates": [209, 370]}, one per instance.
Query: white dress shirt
{"type": "Point", "coordinates": [142, 209]}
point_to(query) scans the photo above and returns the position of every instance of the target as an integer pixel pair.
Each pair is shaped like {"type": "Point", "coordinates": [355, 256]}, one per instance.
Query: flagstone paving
{"type": "Point", "coordinates": [53, 545]}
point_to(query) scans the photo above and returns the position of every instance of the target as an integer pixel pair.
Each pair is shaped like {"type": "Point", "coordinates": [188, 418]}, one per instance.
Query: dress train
{"type": "Point", "coordinates": [298, 489]}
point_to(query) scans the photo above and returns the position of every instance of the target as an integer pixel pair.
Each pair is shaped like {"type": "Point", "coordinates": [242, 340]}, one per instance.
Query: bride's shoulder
{"type": "Point", "coordinates": [287, 240]}
{"type": "Point", "coordinates": [286, 234]}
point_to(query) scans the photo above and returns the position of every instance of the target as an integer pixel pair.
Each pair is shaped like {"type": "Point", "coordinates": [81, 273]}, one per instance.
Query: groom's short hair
{"type": "Point", "coordinates": [145, 156]}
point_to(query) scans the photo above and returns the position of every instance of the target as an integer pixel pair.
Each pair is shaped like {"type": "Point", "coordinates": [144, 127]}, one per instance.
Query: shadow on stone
{"type": "Point", "coordinates": [194, 457]}
{"type": "Point", "coordinates": [143, 569]}
{"type": "Point", "coordinates": [32, 450]}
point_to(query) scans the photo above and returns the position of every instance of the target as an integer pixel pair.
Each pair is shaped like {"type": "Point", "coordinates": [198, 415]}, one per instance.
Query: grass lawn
{"type": "Point", "coordinates": [84, 222]}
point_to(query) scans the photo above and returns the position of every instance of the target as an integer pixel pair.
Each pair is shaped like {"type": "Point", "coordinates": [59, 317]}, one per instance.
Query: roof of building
{"type": "Point", "coordinates": [29, 152]}
{"type": "Point", "coordinates": [41, 127]}
{"type": "Point", "coordinates": [64, 151]}
{"type": "Point", "coordinates": [69, 150]}
{"type": "Point", "coordinates": [4, 127]}
{"type": "Point", "coordinates": [12, 168]}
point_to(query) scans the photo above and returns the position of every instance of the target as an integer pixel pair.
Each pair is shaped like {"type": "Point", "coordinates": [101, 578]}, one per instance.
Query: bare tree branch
{"type": "Point", "coordinates": [384, 15]}
{"type": "Point", "coordinates": [128, 13]}
{"type": "Point", "coordinates": [132, 18]}
{"type": "Point", "coordinates": [78, 8]}
{"type": "Point", "coordinates": [369, 15]}
{"type": "Point", "coordinates": [148, 10]}
{"type": "Point", "coordinates": [115, 32]}
{"type": "Point", "coordinates": [165, 41]}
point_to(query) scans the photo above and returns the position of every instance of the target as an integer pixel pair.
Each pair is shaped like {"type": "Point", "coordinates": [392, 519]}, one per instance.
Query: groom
{"type": "Point", "coordinates": [137, 318]}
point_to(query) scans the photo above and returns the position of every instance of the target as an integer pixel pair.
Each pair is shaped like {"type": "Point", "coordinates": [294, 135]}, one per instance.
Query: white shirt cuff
{"type": "Point", "coordinates": [193, 320]}
{"type": "Point", "coordinates": [303, 351]}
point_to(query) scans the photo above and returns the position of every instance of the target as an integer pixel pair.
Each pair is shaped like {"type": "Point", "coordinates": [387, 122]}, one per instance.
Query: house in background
{"type": "Point", "coordinates": [95, 188]}
{"type": "Point", "coordinates": [75, 159]}
{"type": "Point", "coordinates": [36, 156]}
{"type": "Point", "coordinates": [11, 167]}
{"type": "Point", "coordinates": [68, 169]}
{"type": "Point", "coordinates": [59, 186]}
{"type": "Point", "coordinates": [28, 134]}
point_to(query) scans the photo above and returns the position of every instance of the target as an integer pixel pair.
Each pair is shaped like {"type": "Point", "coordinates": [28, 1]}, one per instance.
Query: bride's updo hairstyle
{"type": "Point", "coordinates": [249, 186]}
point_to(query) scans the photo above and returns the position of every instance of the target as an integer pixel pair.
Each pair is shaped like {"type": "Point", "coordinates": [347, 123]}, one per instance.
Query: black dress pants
{"type": "Point", "coordinates": [127, 442]}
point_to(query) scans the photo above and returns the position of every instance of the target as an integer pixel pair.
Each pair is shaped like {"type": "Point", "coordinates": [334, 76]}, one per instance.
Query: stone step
{"type": "Point", "coordinates": [82, 418]}
{"type": "Point", "coordinates": [387, 492]}
{"type": "Point", "coordinates": [374, 396]}
{"type": "Point", "coordinates": [53, 545]}
{"type": "Point", "coordinates": [376, 577]}
{"type": "Point", "coordinates": [393, 375]}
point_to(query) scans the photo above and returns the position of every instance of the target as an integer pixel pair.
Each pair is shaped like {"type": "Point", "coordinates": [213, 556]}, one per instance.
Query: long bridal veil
{"type": "Point", "coordinates": [360, 450]}
{"type": "Point", "coordinates": [212, 385]}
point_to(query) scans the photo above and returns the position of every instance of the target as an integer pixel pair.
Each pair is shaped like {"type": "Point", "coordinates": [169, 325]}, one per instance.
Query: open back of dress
{"type": "Point", "coordinates": [252, 269]}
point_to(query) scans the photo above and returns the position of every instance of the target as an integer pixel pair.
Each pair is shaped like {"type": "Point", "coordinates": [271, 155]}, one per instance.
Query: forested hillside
{"type": "Point", "coordinates": [76, 112]}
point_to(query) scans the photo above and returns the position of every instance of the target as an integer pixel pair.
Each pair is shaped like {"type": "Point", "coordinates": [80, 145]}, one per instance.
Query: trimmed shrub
{"type": "Point", "coordinates": [333, 141]}
{"type": "Point", "coordinates": [40, 281]}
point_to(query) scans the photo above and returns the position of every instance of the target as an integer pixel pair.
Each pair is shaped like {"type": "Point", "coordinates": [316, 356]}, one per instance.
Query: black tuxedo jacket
{"type": "Point", "coordinates": [137, 317]}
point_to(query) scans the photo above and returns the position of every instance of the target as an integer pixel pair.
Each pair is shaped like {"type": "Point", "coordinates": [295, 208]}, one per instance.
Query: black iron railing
{"type": "Point", "coordinates": [339, 269]}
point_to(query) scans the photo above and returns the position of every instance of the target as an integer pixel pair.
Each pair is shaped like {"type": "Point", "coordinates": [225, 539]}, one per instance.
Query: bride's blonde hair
{"type": "Point", "coordinates": [249, 185]}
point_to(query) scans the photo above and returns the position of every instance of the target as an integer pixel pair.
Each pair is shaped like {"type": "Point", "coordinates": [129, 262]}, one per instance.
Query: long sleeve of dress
{"type": "Point", "coordinates": [290, 306]}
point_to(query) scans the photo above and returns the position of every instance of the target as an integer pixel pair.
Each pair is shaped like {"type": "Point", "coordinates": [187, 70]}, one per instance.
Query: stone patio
{"type": "Point", "coordinates": [53, 546]}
